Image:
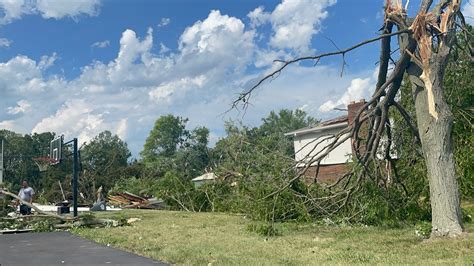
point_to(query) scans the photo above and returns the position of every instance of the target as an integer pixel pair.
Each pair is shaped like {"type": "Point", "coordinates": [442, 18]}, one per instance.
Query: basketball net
{"type": "Point", "coordinates": [43, 163]}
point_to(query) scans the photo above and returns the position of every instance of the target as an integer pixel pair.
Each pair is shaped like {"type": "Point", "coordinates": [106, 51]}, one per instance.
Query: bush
{"type": "Point", "coordinates": [179, 193]}
{"type": "Point", "coordinates": [5, 208]}
{"type": "Point", "coordinates": [423, 229]}
{"type": "Point", "coordinates": [389, 206]}
{"type": "Point", "coordinates": [286, 205]}
{"type": "Point", "coordinates": [466, 216]}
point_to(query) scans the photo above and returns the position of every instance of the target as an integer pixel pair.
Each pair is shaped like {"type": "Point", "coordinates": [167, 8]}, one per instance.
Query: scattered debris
{"type": "Point", "coordinates": [4, 192]}
{"type": "Point", "coordinates": [132, 220]}
{"type": "Point", "coordinates": [204, 179]}
{"type": "Point", "coordinates": [45, 221]}
{"type": "Point", "coordinates": [14, 231]}
{"type": "Point", "coordinates": [98, 206]}
{"type": "Point", "coordinates": [128, 200]}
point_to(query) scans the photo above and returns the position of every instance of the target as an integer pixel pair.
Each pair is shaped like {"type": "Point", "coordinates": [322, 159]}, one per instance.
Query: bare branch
{"type": "Point", "coordinates": [245, 96]}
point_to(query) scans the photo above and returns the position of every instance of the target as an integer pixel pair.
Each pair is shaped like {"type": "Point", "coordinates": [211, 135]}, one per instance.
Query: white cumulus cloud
{"type": "Point", "coordinates": [22, 107]}
{"type": "Point", "coordinates": [359, 89]}
{"type": "Point", "coordinates": [57, 9]}
{"type": "Point", "coordinates": [76, 118]}
{"type": "Point", "coordinates": [294, 22]}
{"type": "Point", "coordinates": [15, 9]}
{"type": "Point", "coordinates": [102, 44]}
{"type": "Point", "coordinates": [164, 22]}
{"type": "Point", "coordinates": [217, 34]}
{"type": "Point", "coordinates": [24, 75]}
{"type": "Point", "coordinates": [122, 128]}
{"type": "Point", "coordinates": [164, 92]}
{"type": "Point", "coordinates": [258, 16]}
{"type": "Point", "coordinates": [8, 125]}
{"type": "Point", "coordinates": [47, 61]}
{"type": "Point", "coordinates": [164, 49]}
{"type": "Point", "coordinates": [5, 42]}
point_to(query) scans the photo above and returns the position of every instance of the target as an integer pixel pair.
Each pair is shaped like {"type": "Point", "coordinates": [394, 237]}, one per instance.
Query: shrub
{"type": "Point", "coordinates": [179, 193]}
{"type": "Point", "coordinates": [423, 229]}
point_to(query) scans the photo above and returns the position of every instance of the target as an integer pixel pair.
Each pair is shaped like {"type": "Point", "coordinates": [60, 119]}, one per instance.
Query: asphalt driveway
{"type": "Point", "coordinates": [62, 248]}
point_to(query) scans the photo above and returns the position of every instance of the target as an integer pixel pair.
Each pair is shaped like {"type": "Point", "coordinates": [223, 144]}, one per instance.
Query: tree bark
{"type": "Point", "coordinates": [435, 135]}
{"type": "Point", "coordinates": [433, 115]}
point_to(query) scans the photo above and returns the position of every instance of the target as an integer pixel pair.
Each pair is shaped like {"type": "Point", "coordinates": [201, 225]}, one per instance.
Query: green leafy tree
{"type": "Point", "coordinates": [269, 135]}
{"type": "Point", "coordinates": [275, 125]}
{"type": "Point", "coordinates": [254, 162]}
{"type": "Point", "coordinates": [193, 157]}
{"type": "Point", "coordinates": [103, 159]}
{"type": "Point", "coordinates": [105, 151]}
{"type": "Point", "coordinates": [285, 121]}
{"type": "Point", "coordinates": [19, 165]}
{"type": "Point", "coordinates": [172, 147]}
{"type": "Point", "coordinates": [166, 137]}
{"type": "Point", "coordinates": [19, 151]}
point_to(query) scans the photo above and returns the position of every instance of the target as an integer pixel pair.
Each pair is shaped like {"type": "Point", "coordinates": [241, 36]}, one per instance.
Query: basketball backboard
{"type": "Point", "coordinates": [55, 150]}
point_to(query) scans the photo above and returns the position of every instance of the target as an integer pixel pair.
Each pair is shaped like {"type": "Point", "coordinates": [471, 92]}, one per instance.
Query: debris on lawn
{"type": "Point", "coordinates": [128, 200]}
{"type": "Point", "coordinates": [132, 220]}
{"type": "Point", "coordinates": [43, 221]}
{"type": "Point", "coordinates": [47, 223]}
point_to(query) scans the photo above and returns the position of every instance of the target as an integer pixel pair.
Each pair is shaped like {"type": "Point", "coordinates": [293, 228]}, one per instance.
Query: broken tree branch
{"type": "Point", "coordinates": [244, 96]}
{"type": "Point", "coordinates": [63, 218]}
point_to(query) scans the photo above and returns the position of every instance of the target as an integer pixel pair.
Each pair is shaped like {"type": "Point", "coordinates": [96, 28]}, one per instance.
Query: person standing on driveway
{"type": "Point", "coordinates": [26, 194]}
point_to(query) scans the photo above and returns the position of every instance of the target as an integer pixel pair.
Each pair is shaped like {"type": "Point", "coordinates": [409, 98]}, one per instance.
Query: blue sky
{"type": "Point", "coordinates": [79, 67]}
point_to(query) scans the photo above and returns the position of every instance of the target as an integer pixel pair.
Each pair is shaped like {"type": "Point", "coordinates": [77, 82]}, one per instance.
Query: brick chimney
{"type": "Point", "coordinates": [353, 108]}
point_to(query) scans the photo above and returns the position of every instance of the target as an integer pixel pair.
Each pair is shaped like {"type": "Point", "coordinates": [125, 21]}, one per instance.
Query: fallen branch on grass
{"type": "Point", "coordinates": [63, 222]}
{"type": "Point", "coordinates": [46, 214]}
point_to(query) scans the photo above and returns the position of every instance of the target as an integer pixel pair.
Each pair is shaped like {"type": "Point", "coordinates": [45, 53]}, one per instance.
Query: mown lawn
{"type": "Point", "coordinates": [203, 238]}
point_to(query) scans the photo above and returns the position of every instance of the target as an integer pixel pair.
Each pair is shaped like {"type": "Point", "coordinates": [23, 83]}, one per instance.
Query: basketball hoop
{"type": "Point", "coordinates": [43, 163]}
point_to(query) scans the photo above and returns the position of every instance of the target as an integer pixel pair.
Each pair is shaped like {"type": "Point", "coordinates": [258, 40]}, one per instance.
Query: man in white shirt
{"type": "Point", "coordinates": [26, 194]}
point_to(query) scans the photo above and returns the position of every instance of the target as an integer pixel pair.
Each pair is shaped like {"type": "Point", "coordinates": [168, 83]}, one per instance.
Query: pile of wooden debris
{"type": "Point", "coordinates": [131, 201]}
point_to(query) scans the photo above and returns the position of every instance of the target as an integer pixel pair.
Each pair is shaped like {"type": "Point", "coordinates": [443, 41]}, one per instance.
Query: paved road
{"type": "Point", "coordinates": [62, 248]}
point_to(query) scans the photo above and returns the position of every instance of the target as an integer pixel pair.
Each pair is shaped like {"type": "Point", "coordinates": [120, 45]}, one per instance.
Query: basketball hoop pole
{"type": "Point", "coordinates": [1, 165]}
{"type": "Point", "coordinates": [74, 176]}
{"type": "Point", "coordinates": [75, 166]}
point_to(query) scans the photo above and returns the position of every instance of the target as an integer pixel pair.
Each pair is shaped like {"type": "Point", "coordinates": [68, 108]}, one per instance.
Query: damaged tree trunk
{"type": "Point", "coordinates": [433, 114]}
{"type": "Point", "coordinates": [435, 134]}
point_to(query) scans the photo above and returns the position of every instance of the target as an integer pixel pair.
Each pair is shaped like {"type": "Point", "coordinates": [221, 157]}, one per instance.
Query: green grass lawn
{"type": "Point", "coordinates": [203, 238]}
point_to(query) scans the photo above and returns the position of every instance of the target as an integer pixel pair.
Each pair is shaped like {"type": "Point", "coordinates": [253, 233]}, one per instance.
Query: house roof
{"type": "Point", "coordinates": [340, 121]}
{"type": "Point", "coordinates": [206, 176]}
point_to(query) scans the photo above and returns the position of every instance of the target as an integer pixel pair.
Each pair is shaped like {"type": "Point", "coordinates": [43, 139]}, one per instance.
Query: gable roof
{"type": "Point", "coordinates": [340, 121]}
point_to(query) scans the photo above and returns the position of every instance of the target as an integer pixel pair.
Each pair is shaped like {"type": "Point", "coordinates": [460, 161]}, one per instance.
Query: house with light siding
{"type": "Point", "coordinates": [312, 140]}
